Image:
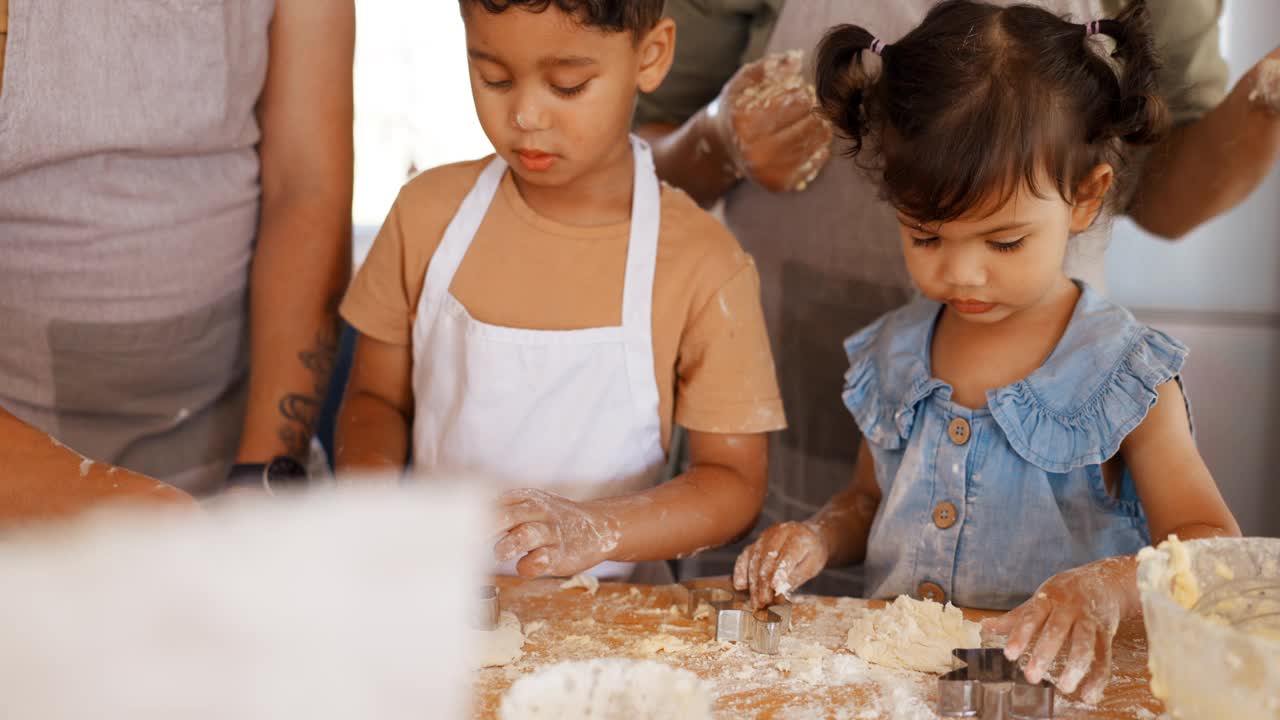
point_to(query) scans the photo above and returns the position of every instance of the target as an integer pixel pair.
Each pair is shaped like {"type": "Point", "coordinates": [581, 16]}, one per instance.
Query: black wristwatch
{"type": "Point", "coordinates": [282, 473]}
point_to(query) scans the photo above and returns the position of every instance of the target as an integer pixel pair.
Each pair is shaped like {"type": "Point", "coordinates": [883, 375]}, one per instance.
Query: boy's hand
{"type": "Point", "coordinates": [785, 557]}
{"type": "Point", "coordinates": [553, 535]}
{"type": "Point", "coordinates": [1076, 612]}
{"type": "Point", "coordinates": [765, 124]}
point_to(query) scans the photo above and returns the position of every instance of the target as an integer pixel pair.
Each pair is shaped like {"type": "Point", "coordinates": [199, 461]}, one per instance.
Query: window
{"type": "Point", "coordinates": [412, 100]}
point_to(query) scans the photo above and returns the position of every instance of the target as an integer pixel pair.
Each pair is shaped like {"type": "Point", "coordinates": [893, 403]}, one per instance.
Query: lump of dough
{"type": "Point", "coordinates": [502, 645]}
{"type": "Point", "coordinates": [1184, 586]}
{"type": "Point", "coordinates": [590, 583]}
{"type": "Point", "coordinates": [913, 635]}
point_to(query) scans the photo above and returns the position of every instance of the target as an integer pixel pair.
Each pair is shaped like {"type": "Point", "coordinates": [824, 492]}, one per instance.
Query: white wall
{"type": "Point", "coordinates": [1218, 290]}
{"type": "Point", "coordinates": [413, 99]}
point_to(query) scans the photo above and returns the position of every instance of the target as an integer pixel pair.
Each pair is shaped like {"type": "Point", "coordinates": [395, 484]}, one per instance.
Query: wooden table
{"type": "Point", "coordinates": [647, 622]}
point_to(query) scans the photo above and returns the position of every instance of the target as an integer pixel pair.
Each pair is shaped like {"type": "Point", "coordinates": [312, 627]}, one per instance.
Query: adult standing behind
{"type": "Point", "coordinates": [827, 256]}
{"type": "Point", "coordinates": [175, 193]}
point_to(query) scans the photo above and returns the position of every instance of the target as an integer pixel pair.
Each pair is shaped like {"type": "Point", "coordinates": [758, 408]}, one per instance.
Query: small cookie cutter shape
{"type": "Point", "coordinates": [992, 687]}
{"type": "Point", "coordinates": [761, 630]}
{"type": "Point", "coordinates": [486, 617]}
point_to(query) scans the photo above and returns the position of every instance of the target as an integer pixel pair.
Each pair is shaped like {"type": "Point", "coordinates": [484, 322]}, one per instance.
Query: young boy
{"type": "Point", "coordinates": [546, 315]}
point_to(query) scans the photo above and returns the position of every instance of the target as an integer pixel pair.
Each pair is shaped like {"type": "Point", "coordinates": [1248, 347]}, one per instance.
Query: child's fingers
{"type": "Point", "coordinates": [773, 549]}
{"type": "Point", "coordinates": [1096, 682]}
{"type": "Point", "coordinates": [753, 564]}
{"type": "Point", "coordinates": [740, 566]}
{"type": "Point", "coordinates": [1052, 636]}
{"type": "Point", "coordinates": [1084, 637]}
{"type": "Point", "coordinates": [772, 561]}
{"type": "Point", "coordinates": [1027, 621]}
{"type": "Point", "coordinates": [523, 539]}
{"type": "Point", "coordinates": [759, 589]}
{"type": "Point", "coordinates": [536, 563]}
{"type": "Point", "coordinates": [783, 576]}
{"type": "Point", "coordinates": [522, 495]}
{"type": "Point", "coordinates": [515, 515]}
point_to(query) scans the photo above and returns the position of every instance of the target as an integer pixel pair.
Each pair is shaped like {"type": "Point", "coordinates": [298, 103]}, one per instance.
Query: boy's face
{"type": "Point", "coordinates": [555, 97]}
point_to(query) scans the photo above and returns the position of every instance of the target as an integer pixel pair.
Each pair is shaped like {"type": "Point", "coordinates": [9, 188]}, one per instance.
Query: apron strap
{"type": "Point", "coordinates": [457, 237]}
{"type": "Point", "coordinates": [637, 298]}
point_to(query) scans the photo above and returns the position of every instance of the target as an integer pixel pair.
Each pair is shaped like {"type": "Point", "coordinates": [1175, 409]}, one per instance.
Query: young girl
{"type": "Point", "coordinates": [1023, 437]}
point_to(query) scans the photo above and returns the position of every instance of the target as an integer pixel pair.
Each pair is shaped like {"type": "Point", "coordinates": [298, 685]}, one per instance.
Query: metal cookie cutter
{"type": "Point", "coordinates": [486, 617]}
{"type": "Point", "coordinates": [762, 630]}
{"type": "Point", "coordinates": [992, 687]}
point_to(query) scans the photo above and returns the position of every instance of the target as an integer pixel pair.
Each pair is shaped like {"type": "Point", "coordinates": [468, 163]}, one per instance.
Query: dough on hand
{"type": "Point", "coordinates": [590, 583]}
{"type": "Point", "coordinates": [913, 635]}
{"type": "Point", "coordinates": [502, 645]}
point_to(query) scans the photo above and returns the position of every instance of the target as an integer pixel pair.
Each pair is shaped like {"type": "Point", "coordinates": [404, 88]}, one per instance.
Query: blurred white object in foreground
{"type": "Point", "coordinates": [347, 604]}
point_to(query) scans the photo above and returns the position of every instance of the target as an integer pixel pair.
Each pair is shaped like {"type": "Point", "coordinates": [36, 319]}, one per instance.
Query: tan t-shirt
{"type": "Point", "coordinates": [712, 360]}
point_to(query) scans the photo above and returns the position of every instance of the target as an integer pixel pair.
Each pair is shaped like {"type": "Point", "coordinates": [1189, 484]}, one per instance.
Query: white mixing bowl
{"type": "Point", "coordinates": [1220, 659]}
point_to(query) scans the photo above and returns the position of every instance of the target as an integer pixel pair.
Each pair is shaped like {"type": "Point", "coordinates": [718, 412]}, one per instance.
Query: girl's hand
{"type": "Point", "coordinates": [1076, 613]}
{"type": "Point", "coordinates": [785, 557]}
{"type": "Point", "coordinates": [764, 121]}
{"type": "Point", "coordinates": [553, 535]}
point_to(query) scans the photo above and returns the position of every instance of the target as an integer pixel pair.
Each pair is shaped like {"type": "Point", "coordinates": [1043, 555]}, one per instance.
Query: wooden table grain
{"type": "Point", "coordinates": [647, 622]}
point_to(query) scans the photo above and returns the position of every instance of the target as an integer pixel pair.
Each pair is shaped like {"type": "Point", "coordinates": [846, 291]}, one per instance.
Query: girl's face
{"type": "Point", "coordinates": [995, 262]}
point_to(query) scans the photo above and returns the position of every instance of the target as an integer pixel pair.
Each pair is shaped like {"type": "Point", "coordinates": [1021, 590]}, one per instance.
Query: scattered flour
{"type": "Point", "coordinates": [662, 643]}
{"type": "Point", "coordinates": [85, 466]}
{"type": "Point", "coordinates": [610, 689]}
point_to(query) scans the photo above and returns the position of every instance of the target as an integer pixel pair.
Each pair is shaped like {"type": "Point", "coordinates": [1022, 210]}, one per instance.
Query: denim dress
{"type": "Point", "coordinates": [981, 506]}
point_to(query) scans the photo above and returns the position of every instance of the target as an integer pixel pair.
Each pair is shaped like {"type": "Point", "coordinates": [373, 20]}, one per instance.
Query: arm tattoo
{"type": "Point", "coordinates": [302, 411]}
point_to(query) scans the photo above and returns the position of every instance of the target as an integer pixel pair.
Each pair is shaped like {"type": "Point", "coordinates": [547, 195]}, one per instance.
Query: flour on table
{"type": "Point", "coordinates": [590, 583]}
{"type": "Point", "coordinates": [913, 635]}
{"type": "Point", "coordinates": [802, 660]}
{"type": "Point", "coordinates": [502, 645]}
{"type": "Point", "coordinates": [661, 643]}
{"type": "Point", "coordinates": [610, 689]}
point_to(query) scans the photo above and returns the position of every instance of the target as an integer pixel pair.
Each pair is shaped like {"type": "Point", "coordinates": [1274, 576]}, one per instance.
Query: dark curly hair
{"type": "Point", "coordinates": [980, 98]}
{"type": "Point", "coordinates": [635, 16]}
